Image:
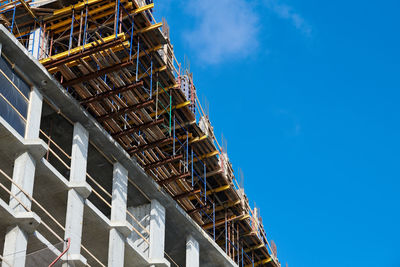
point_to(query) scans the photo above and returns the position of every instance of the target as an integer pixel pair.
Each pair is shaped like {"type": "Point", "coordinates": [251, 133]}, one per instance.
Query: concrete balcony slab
{"type": "Point", "coordinates": [12, 144]}
{"type": "Point", "coordinates": [28, 221]}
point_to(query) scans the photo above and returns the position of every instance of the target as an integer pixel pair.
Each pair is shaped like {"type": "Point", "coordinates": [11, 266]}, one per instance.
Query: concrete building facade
{"type": "Point", "coordinates": [52, 156]}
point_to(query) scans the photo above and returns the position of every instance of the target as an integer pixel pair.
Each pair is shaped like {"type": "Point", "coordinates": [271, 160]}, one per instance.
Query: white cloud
{"type": "Point", "coordinates": [223, 29]}
{"type": "Point", "coordinates": [285, 11]}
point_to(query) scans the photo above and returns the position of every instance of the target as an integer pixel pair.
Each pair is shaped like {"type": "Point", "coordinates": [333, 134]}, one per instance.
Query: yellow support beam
{"type": "Point", "coordinates": [78, 49]}
{"type": "Point", "coordinates": [218, 189]}
{"type": "Point", "coordinates": [87, 58]}
{"type": "Point", "coordinates": [208, 155]}
{"type": "Point", "coordinates": [215, 190]}
{"type": "Point", "coordinates": [260, 262]}
{"type": "Point", "coordinates": [225, 206]}
{"type": "Point", "coordinates": [114, 49]}
{"type": "Point", "coordinates": [181, 105]}
{"type": "Point", "coordinates": [153, 72]}
{"type": "Point", "coordinates": [149, 28]}
{"type": "Point", "coordinates": [166, 89]}
{"type": "Point", "coordinates": [222, 221]}
{"type": "Point", "coordinates": [76, 7]}
{"type": "Point", "coordinates": [143, 8]}
{"type": "Point", "coordinates": [254, 248]}
{"type": "Point", "coordinates": [105, 14]}
{"type": "Point", "coordinates": [198, 139]}
{"type": "Point", "coordinates": [28, 8]}
{"type": "Point", "coordinates": [91, 13]}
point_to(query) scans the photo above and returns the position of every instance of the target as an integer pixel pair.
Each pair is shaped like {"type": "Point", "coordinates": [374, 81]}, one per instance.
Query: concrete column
{"type": "Point", "coordinates": [152, 217]}
{"type": "Point", "coordinates": [34, 40]}
{"type": "Point", "coordinates": [157, 230]}
{"type": "Point", "coordinates": [38, 44]}
{"type": "Point", "coordinates": [116, 249]}
{"type": "Point", "coordinates": [192, 252]}
{"type": "Point", "coordinates": [15, 244]}
{"type": "Point", "coordinates": [16, 239]}
{"type": "Point", "coordinates": [76, 202]}
{"type": "Point", "coordinates": [34, 114]}
{"type": "Point", "coordinates": [142, 214]}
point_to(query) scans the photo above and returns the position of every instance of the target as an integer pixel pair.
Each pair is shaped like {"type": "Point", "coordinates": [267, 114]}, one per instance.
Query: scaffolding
{"type": "Point", "coordinates": [118, 62]}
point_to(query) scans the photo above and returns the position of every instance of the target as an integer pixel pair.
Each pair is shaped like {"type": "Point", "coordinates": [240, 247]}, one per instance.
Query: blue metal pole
{"type": "Point", "coordinates": [173, 144]}
{"type": "Point", "coordinates": [84, 30]}
{"type": "Point", "coordinates": [72, 30]}
{"type": "Point", "coordinates": [226, 235]}
{"type": "Point", "coordinates": [187, 150]}
{"type": "Point", "coordinates": [130, 47]}
{"type": "Point", "coordinates": [40, 38]}
{"type": "Point", "coordinates": [151, 78]}
{"type": "Point", "coordinates": [242, 256]}
{"type": "Point", "coordinates": [192, 168]}
{"type": "Point", "coordinates": [205, 183]}
{"type": "Point", "coordinates": [137, 59]}
{"type": "Point", "coordinates": [33, 43]}
{"type": "Point", "coordinates": [117, 21]}
{"type": "Point", "coordinates": [13, 18]}
{"type": "Point", "coordinates": [214, 220]}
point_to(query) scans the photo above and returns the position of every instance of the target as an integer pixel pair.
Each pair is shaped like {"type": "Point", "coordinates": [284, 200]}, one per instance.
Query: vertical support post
{"type": "Point", "coordinates": [84, 29]}
{"type": "Point", "coordinates": [34, 114]}
{"type": "Point", "coordinates": [242, 256]}
{"type": "Point", "coordinates": [116, 19]}
{"type": "Point", "coordinates": [205, 183]}
{"type": "Point", "coordinates": [72, 30]}
{"type": "Point", "coordinates": [40, 41]}
{"type": "Point", "coordinates": [13, 18]}
{"type": "Point", "coordinates": [187, 149]}
{"type": "Point", "coordinates": [226, 235]}
{"type": "Point", "coordinates": [157, 230]}
{"type": "Point", "coordinates": [237, 241]}
{"type": "Point", "coordinates": [152, 218]}
{"type": "Point", "coordinates": [33, 44]}
{"type": "Point", "coordinates": [214, 220]}
{"type": "Point", "coordinates": [80, 28]}
{"type": "Point", "coordinates": [173, 140]}
{"type": "Point", "coordinates": [170, 112]}
{"type": "Point", "coordinates": [16, 239]}
{"type": "Point", "coordinates": [137, 58]}
{"type": "Point", "coordinates": [192, 167]}
{"type": "Point", "coordinates": [130, 47]}
{"type": "Point", "coordinates": [192, 252]}
{"type": "Point", "coordinates": [157, 101]}
{"type": "Point", "coordinates": [75, 203]}
{"type": "Point", "coordinates": [151, 81]}
{"type": "Point", "coordinates": [116, 247]}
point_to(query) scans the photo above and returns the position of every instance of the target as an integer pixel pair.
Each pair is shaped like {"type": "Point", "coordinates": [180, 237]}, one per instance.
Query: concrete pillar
{"type": "Point", "coordinates": [16, 239]}
{"type": "Point", "coordinates": [192, 252]}
{"type": "Point", "coordinates": [142, 214]}
{"type": "Point", "coordinates": [116, 249]}
{"type": "Point", "coordinates": [38, 44]}
{"type": "Point", "coordinates": [15, 244]}
{"type": "Point", "coordinates": [34, 114]}
{"type": "Point", "coordinates": [34, 43]}
{"type": "Point", "coordinates": [157, 230]}
{"type": "Point", "coordinates": [76, 202]}
{"type": "Point", "coordinates": [152, 217]}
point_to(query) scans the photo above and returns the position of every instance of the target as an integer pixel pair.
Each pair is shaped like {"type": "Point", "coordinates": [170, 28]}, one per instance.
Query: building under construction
{"type": "Point", "coordinates": [107, 157]}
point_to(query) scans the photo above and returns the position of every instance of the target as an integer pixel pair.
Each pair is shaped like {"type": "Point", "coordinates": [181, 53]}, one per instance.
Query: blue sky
{"type": "Point", "coordinates": [307, 95]}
